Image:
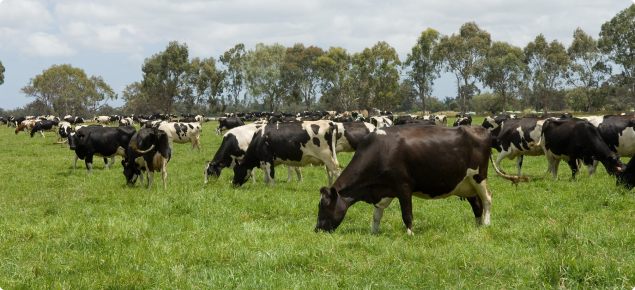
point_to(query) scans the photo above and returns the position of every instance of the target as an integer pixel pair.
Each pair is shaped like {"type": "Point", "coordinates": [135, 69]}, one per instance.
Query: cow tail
{"type": "Point", "coordinates": [513, 178]}
{"type": "Point", "coordinates": [334, 129]}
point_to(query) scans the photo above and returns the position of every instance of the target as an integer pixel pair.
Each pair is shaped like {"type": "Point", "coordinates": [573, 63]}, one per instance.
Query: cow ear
{"type": "Point", "coordinates": [328, 194]}
{"type": "Point", "coordinates": [220, 164]}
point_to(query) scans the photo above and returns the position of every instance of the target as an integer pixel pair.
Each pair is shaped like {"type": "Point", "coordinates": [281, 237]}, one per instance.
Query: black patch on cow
{"type": "Point", "coordinates": [191, 127]}
{"type": "Point", "coordinates": [181, 130]}
{"type": "Point", "coordinates": [316, 141]}
{"type": "Point", "coordinates": [315, 129]}
{"type": "Point", "coordinates": [477, 178]}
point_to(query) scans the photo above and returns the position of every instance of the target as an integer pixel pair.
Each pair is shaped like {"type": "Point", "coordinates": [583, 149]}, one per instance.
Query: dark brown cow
{"type": "Point", "coordinates": [405, 161]}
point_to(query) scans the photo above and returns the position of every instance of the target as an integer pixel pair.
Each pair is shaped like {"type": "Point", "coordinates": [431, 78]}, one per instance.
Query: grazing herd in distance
{"type": "Point", "coordinates": [395, 157]}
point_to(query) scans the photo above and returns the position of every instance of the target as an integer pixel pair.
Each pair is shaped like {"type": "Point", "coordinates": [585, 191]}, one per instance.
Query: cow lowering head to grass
{"type": "Point", "coordinates": [405, 161]}
{"type": "Point", "coordinates": [148, 151]}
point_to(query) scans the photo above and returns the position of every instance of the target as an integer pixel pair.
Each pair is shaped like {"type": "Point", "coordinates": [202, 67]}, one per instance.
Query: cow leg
{"type": "Point", "coordinates": [519, 163]}
{"type": "Point", "coordinates": [253, 175]}
{"type": "Point", "coordinates": [500, 158]}
{"type": "Point", "coordinates": [198, 144]}
{"type": "Point", "coordinates": [112, 161]}
{"type": "Point", "coordinates": [263, 167]}
{"type": "Point", "coordinates": [150, 178]}
{"type": "Point", "coordinates": [41, 133]}
{"type": "Point", "coordinates": [406, 212]}
{"type": "Point", "coordinates": [573, 164]}
{"type": "Point", "coordinates": [592, 168]}
{"type": "Point", "coordinates": [378, 212]}
{"type": "Point", "coordinates": [89, 163]}
{"type": "Point", "coordinates": [290, 177]}
{"type": "Point", "coordinates": [272, 173]}
{"type": "Point", "coordinates": [477, 208]}
{"type": "Point", "coordinates": [164, 172]}
{"type": "Point", "coordinates": [298, 171]}
{"type": "Point", "coordinates": [332, 171]}
{"type": "Point", "coordinates": [554, 166]}
{"type": "Point", "coordinates": [486, 199]}
{"type": "Point", "coordinates": [141, 177]}
{"type": "Point", "coordinates": [75, 165]}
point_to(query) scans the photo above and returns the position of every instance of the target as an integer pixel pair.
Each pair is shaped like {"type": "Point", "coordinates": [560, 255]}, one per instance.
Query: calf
{"type": "Point", "coordinates": [233, 147]}
{"type": "Point", "coordinates": [26, 126]}
{"type": "Point", "coordinates": [44, 126]}
{"type": "Point", "coordinates": [517, 138]}
{"type": "Point", "coordinates": [148, 150]}
{"type": "Point", "coordinates": [380, 122]}
{"type": "Point", "coordinates": [101, 141]}
{"type": "Point", "coordinates": [228, 123]}
{"type": "Point", "coordinates": [292, 144]}
{"type": "Point", "coordinates": [571, 139]}
{"type": "Point", "coordinates": [406, 161]}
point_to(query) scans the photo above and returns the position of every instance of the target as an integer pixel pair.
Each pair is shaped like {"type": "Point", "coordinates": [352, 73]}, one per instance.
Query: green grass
{"type": "Point", "coordinates": [63, 229]}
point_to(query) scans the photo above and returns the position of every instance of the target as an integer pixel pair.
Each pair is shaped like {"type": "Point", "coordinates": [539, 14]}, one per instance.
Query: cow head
{"type": "Point", "coordinates": [614, 165]}
{"type": "Point", "coordinates": [241, 173]}
{"type": "Point", "coordinates": [331, 210]}
{"type": "Point", "coordinates": [77, 139]}
{"type": "Point", "coordinates": [213, 169]}
{"type": "Point", "coordinates": [130, 171]}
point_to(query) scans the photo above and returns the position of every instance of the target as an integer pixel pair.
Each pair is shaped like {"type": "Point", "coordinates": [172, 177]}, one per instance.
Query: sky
{"type": "Point", "coordinates": [112, 38]}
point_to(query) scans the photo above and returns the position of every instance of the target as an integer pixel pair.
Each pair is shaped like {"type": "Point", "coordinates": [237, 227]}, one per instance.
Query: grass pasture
{"type": "Point", "coordinates": [63, 229]}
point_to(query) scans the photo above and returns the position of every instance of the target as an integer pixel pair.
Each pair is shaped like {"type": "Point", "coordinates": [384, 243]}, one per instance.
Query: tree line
{"type": "Point", "coordinates": [544, 75]}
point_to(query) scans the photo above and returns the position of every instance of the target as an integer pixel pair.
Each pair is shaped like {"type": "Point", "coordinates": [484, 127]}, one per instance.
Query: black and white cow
{"type": "Point", "coordinates": [102, 120]}
{"type": "Point", "coordinates": [180, 133]}
{"type": "Point", "coordinates": [406, 161]}
{"type": "Point", "coordinates": [15, 121]}
{"type": "Point", "coordinates": [422, 122]}
{"type": "Point", "coordinates": [570, 139]}
{"type": "Point", "coordinates": [400, 120]}
{"type": "Point", "coordinates": [126, 122]}
{"type": "Point", "coordinates": [233, 147]}
{"type": "Point", "coordinates": [64, 131]}
{"type": "Point", "coordinates": [441, 120]}
{"type": "Point", "coordinates": [227, 123]}
{"type": "Point", "coordinates": [463, 120]}
{"type": "Point", "coordinates": [381, 122]}
{"type": "Point", "coordinates": [557, 115]}
{"type": "Point", "coordinates": [293, 144]}
{"type": "Point", "coordinates": [73, 120]}
{"type": "Point", "coordinates": [519, 137]}
{"type": "Point", "coordinates": [44, 126]}
{"type": "Point", "coordinates": [26, 126]}
{"type": "Point", "coordinates": [101, 141]}
{"type": "Point", "coordinates": [493, 124]}
{"type": "Point", "coordinates": [148, 151]}
{"type": "Point", "coordinates": [618, 132]}
{"type": "Point", "coordinates": [350, 134]}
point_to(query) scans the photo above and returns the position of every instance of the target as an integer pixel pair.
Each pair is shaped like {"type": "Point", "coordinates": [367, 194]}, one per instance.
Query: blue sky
{"type": "Point", "coordinates": [111, 38]}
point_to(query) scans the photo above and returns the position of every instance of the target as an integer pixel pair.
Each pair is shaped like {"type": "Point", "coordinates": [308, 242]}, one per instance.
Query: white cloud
{"type": "Point", "coordinates": [42, 44]}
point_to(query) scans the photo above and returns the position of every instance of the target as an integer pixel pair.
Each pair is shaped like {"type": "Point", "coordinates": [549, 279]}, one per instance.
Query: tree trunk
{"type": "Point", "coordinates": [308, 101]}
{"type": "Point", "coordinates": [544, 103]}
{"type": "Point", "coordinates": [588, 96]}
{"type": "Point", "coordinates": [503, 101]}
{"type": "Point", "coordinates": [423, 103]}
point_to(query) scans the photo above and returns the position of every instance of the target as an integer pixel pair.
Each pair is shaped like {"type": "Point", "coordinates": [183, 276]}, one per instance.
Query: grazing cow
{"type": "Point", "coordinates": [199, 118]}
{"type": "Point", "coordinates": [557, 115]}
{"type": "Point", "coordinates": [519, 137]}
{"type": "Point", "coordinates": [618, 132]}
{"type": "Point", "coordinates": [293, 144]}
{"type": "Point", "coordinates": [126, 122]}
{"type": "Point", "coordinates": [44, 126]}
{"type": "Point", "coordinates": [182, 133]}
{"type": "Point", "coordinates": [463, 120]}
{"type": "Point", "coordinates": [350, 134]}
{"type": "Point", "coordinates": [493, 124]}
{"type": "Point", "coordinates": [149, 150]}
{"type": "Point", "coordinates": [188, 120]}
{"type": "Point", "coordinates": [234, 145]}
{"type": "Point", "coordinates": [64, 130]}
{"type": "Point", "coordinates": [102, 119]}
{"type": "Point", "coordinates": [441, 120]}
{"type": "Point", "coordinates": [229, 123]}
{"type": "Point", "coordinates": [401, 162]}
{"type": "Point", "coordinates": [401, 120]}
{"type": "Point", "coordinates": [73, 120]}
{"type": "Point", "coordinates": [14, 122]}
{"type": "Point", "coordinates": [571, 139]}
{"type": "Point", "coordinates": [380, 122]}
{"type": "Point", "coordinates": [26, 126]}
{"type": "Point", "coordinates": [101, 141]}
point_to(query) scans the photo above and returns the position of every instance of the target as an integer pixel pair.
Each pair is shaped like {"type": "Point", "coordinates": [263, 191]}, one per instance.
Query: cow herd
{"type": "Point", "coordinates": [397, 157]}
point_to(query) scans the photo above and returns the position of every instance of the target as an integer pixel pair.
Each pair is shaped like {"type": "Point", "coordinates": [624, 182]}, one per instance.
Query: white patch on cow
{"type": "Point", "coordinates": [626, 142]}
{"type": "Point", "coordinates": [191, 135]}
{"type": "Point", "coordinates": [380, 132]}
{"type": "Point", "coordinates": [90, 168]}
{"type": "Point", "coordinates": [521, 133]}
{"type": "Point", "coordinates": [492, 122]}
{"type": "Point", "coordinates": [463, 189]}
{"type": "Point", "coordinates": [410, 233]}
{"type": "Point", "coordinates": [594, 120]}
{"type": "Point", "coordinates": [378, 212]}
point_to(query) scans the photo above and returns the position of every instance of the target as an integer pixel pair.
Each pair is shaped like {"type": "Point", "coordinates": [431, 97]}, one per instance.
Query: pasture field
{"type": "Point", "coordinates": [63, 229]}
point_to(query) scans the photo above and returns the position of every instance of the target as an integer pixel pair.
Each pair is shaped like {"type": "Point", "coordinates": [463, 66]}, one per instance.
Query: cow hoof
{"type": "Point", "coordinates": [410, 233]}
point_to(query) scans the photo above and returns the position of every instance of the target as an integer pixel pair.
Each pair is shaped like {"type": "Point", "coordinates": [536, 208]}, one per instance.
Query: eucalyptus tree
{"type": "Point", "coordinates": [64, 89]}
{"type": "Point", "coordinates": [208, 82]}
{"type": "Point", "coordinates": [617, 40]}
{"type": "Point", "coordinates": [547, 67]}
{"type": "Point", "coordinates": [2, 70]}
{"type": "Point", "coordinates": [423, 67]}
{"type": "Point", "coordinates": [460, 54]}
{"type": "Point", "coordinates": [165, 76]}
{"type": "Point", "coordinates": [233, 60]}
{"type": "Point", "coordinates": [502, 70]}
{"type": "Point", "coordinates": [263, 76]}
{"type": "Point", "coordinates": [588, 68]}
{"type": "Point", "coordinates": [363, 83]}
{"type": "Point", "coordinates": [386, 74]}
{"type": "Point", "coordinates": [302, 72]}
{"type": "Point", "coordinates": [337, 78]}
